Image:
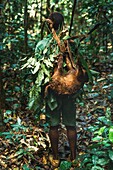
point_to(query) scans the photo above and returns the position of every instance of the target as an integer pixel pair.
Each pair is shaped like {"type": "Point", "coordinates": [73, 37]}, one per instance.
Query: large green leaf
{"type": "Point", "coordinates": [111, 134]}
{"type": "Point", "coordinates": [42, 44]}
{"type": "Point", "coordinates": [39, 78]}
{"type": "Point", "coordinates": [101, 130]}
{"type": "Point", "coordinates": [37, 66]}
{"type": "Point", "coordinates": [103, 161]}
{"type": "Point", "coordinates": [95, 159]}
{"type": "Point", "coordinates": [25, 167]}
{"type": "Point", "coordinates": [65, 165]}
{"type": "Point", "coordinates": [51, 101]}
{"type": "Point", "coordinates": [45, 70]}
{"type": "Point", "coordinates": [96, 168]}
{"type": "Point", "coordinates": [111, 154]}
{"type": "Point", "coordinates": [48, 63]}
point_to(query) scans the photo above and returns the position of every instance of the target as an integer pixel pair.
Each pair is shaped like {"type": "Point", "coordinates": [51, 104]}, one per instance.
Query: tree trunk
{"type": "Point", "coordinates": [25, 27]}
{"type": "Point", "coordinates": [2, 98]}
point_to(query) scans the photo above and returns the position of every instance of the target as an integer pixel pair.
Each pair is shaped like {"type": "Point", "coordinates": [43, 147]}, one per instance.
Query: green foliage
{"type": "Point", "coordinates": [100, 152]}
{"type": "Point", "coordinates": [65, 165]}
{"type": "Point", "coordinates": [25, 167]}
{"type": "Point", "coordinates": [40, 65]}
{"type": "Point", "coordinates": [12, 135]}
{"type": "Point", "coordinates": [111, 134]}
{"type": "Point", "coordinates": [23, 152]}
{"type": "Point", "coordinates": [96, 53]}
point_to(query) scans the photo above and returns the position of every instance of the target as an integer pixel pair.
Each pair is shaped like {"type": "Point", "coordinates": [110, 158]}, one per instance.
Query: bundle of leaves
{"type": "Point", "coordinates": [42, 66]}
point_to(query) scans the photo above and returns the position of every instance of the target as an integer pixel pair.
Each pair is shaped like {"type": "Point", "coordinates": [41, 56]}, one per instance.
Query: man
{"type": "Point", "coordinates": [65, 108]}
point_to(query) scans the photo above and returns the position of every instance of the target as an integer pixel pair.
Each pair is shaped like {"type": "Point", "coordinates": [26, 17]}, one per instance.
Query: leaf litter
{"type": "Point", "coordinates": [26, 146]}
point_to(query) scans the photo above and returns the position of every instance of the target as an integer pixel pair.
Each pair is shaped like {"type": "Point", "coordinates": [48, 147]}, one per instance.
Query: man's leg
{"type": "Point", "coordinates": [54, 138]}
{"type": "Point", "coordinates": [69, 120]}
{"type": "Point", "coordinates": [72, 138]}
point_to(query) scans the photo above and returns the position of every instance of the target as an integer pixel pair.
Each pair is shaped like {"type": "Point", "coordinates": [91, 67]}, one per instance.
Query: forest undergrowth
{"type": "Point", "coordinates": [24, 144]}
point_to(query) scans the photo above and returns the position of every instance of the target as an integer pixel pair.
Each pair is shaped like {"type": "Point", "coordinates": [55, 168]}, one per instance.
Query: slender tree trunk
{"type": "Point", "coordinates": [47, 14]}
{"type": "Point", "coordinates": [25, 27]}
{"type": "Point", "coordinates": [106, 43]}
{"type": "Point", "coordinates": [2, 98]}
{"type": "Point", "coordinates": [41, 23]}
{"type": "Point", "coordinates": [48, 7]}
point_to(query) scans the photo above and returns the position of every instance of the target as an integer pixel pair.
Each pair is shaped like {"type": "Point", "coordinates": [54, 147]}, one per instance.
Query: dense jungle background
{"type": "Point", "coordinates": [24, 142]}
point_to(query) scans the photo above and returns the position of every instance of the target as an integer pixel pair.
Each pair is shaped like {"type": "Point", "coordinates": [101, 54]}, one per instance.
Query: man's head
{"type": "Point", "coordinates": [57, 19]}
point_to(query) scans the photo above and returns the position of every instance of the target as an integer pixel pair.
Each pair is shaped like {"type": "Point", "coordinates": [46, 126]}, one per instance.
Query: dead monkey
{"type": "Point", "coordinates": [69, 82]}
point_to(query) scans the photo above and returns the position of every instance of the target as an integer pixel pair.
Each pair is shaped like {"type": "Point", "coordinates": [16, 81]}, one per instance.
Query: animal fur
{"type": "Point", "coordinates": [69, 82]}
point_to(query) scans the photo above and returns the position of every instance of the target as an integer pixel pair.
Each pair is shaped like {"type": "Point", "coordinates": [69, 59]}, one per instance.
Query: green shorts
{"type": "Point", "coordinates": [64, 111]}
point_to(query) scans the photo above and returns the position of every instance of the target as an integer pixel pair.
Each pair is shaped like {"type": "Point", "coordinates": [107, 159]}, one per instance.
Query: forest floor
{"type": "Point", "coordinates": [24, 145]}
